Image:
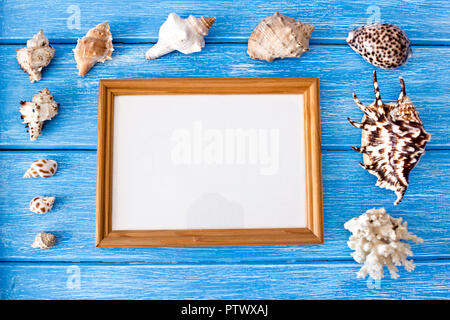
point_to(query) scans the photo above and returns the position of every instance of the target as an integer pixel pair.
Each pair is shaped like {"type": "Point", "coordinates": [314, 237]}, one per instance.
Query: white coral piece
{"type": "Point", "coordinates": [44, 240]}
{"type": "Point", "coordinates": [376, 238]}
{"type": "Point", "coordinates": [35, 56]}
{"type": "Point", "coordinates": [41, 204]}
{"type": "Point", "coordinates": [40, 109]}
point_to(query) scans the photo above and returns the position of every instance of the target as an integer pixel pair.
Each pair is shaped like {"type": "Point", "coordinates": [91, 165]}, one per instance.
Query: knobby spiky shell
{"type": "Point", "coordinates": [44, 240]}
{"type": "Point", "coordinates": [41, 168]}
{"type": "Point", "coordinates": [393, 139]}
{"type": "Point", "coordinates": [381, 44]}
{"type": "Point", "coordinates": [95, 46]}
{"type": "Point", "coordinates": [35, 56]}
{"type": "Point", "coordinates": [279, 36]}
{"type": "Point", "coordinates": [184, 35]}
{"type": "Point", "coordinates": [41, 204]}
{"type": "Point", "coordinates": [40, 109]}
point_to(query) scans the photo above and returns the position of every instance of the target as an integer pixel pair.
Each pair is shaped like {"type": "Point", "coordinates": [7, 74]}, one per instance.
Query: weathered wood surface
{"type": "Point", "coordinates": [341, 72]}
{"type": "Point", "coordinates": [217, 281]}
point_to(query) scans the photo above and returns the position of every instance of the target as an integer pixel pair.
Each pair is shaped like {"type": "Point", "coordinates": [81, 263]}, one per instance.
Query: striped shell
{"type": "Point", "coordinates": [41, 204]}
{"type": "Point", "coordinates": [279, 36]}
{"type": "Point", "coordinates": [381, 44]}
{"type": "Point", "coordinates": [44, 240]}
{"type": "Point", "coordinates": [393, 139]}
{"type": "Point", "coordinates": [41, 168]}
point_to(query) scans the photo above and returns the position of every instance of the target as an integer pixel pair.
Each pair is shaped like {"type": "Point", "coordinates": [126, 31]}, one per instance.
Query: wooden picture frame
{"type": "Point", "coordinates": [111, 88]}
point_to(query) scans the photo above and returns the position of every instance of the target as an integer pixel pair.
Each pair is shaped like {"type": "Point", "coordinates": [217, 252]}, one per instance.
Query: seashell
{"type": "Point", "coordinates": [381, 44]}
{"type": "Point", "coordinates": [35, 56]}
{"type": "Point", "coordinates": [379, 240]}
{"type": "Point", "coordinates": [40, 109]}
{"type": "Point", "coordinates": [44, 240]}
{"type": "Point", "coordinates": [95, 46]}
{"type": "Point", "coordinates": [279, 36]}
{"type": "Point", "coordinates": [41, 204]}
{"type": "Point", "coordinates": [41, 168]}
{"type": "Point", "coordinates": [393, 139]}
{"type": "Point", "coordinates": [184, 35]}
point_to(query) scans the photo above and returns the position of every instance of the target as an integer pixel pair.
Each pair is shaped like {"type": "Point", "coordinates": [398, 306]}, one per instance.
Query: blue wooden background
{"type": "Point", "coordinates": [76, 269]}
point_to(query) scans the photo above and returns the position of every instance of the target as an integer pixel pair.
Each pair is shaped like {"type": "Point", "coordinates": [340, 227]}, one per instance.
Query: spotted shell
{"type": "Point", "coordinates": [41, 204]}
{"type": "Point", "coordinates": [34, 113]}
{"type": "Point", "coordinates": [44, 240]}
{"type": "Point", "coordinates": [279, 36]}
{"type": "Point", "coordinates": [393, 139]}
{"type": "Point", "coordinates": [382, 44]}
{"type": "Point", "coordinates": [95, 46]}
{"type": "Point", "coordinates": [35, 56]}
{"type": "Point", "coordinates": [41, 168]}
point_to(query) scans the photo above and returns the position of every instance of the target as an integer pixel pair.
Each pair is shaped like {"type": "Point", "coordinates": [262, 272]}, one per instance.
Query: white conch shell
{"type": "Point", "coordinates": [279, 36]}
{"type": "Point", "coordinates": [44, 240]}
{"type": "Point", "coordinates": [41, 204]}
{"type": "Point", "coordinates": [40, 109]}
{"type": "Point", "coordinates": [41, 168]}
{"type": "Point", "coordinates": [35, 56]}
{"type": "Point", "coordinates": [184, 35]}
{"type": "Point", "coordinates": [379, 240]}
{"type": "Point", "coordinates": [95, 46]}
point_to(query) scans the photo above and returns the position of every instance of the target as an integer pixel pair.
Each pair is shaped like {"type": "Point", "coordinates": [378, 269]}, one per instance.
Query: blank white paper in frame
{"type": "Point", "coordinates": [208, 162]}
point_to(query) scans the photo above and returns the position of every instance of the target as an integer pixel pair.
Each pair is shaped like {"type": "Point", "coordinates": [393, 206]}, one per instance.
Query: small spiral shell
{"type": "Point", "coordinates": [41, 168]}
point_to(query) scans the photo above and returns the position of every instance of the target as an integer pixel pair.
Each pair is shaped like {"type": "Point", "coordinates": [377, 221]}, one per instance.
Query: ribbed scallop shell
{"type": "Point", "coordinates": [184, 35]}
{"type": "Point", "coordinates": [279, 36]}
{"type": "Point", "coordinates": [35, 113]}
{"type": "Point", "coordinates": [44, 240]}
{"type": "Point", "coordinates": [35, 56]}
{"type": "Point", "coordinates": [41, 168]}
{"type": "Point", "coordinates": [41, 204]}
{"type": "Point", "coordinates": [382, 44]}
{"type": "Point", "coordinates": [95, 46]}
{"type": "Point", "coordinates": [393, 139]}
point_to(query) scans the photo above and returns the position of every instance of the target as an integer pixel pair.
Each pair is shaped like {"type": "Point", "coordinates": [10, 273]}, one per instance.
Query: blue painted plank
{"type": "Point", "coordinates": [222, 281]}
{"type": "Point", "coordinates": [139, 20]}
{"type": "Point", "coordinates": [341, 72]}
{"type": "Point", "coordinates": [348, 192]}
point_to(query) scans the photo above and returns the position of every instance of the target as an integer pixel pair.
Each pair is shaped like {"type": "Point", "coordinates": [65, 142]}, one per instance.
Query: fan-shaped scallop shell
{"type": "Point", "coordinates": [382, 44]}
{"type": "Point", "coordinates": [35, 56]}
{"type": "Point", "coordinates": [279, 36]}
{"type": "Point", "coordinates": [95, 46]}
{"type": "Point", "coordinates": [184, 35]}
{"type": "Point", "coordinates": [41, 204]}
{"type": "Point", "coordinates": [393, 139]}
{"type": "Point", "coordinates": [35, 113]}
{"type": "Point", "coordinates": [41, 168]}
{"type": "Point", "coordinates": [44, 240]}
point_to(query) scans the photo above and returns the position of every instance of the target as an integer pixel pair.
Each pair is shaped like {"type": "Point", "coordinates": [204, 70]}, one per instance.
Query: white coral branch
{"type": "Point", "coordinates": [377, 241]}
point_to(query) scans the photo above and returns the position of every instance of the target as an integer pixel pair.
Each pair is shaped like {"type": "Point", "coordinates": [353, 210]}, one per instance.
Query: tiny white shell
{"type": "Point", "coordinates": [41, 168]}
{"type": "Point", "coordinates": [41, 204]}
{"type": "Point", "coordinates": [44, 240]}
{"type": "Point", "coordinates": [35, 56]}
{"type": "Point", "coordinates": [184, 35]}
